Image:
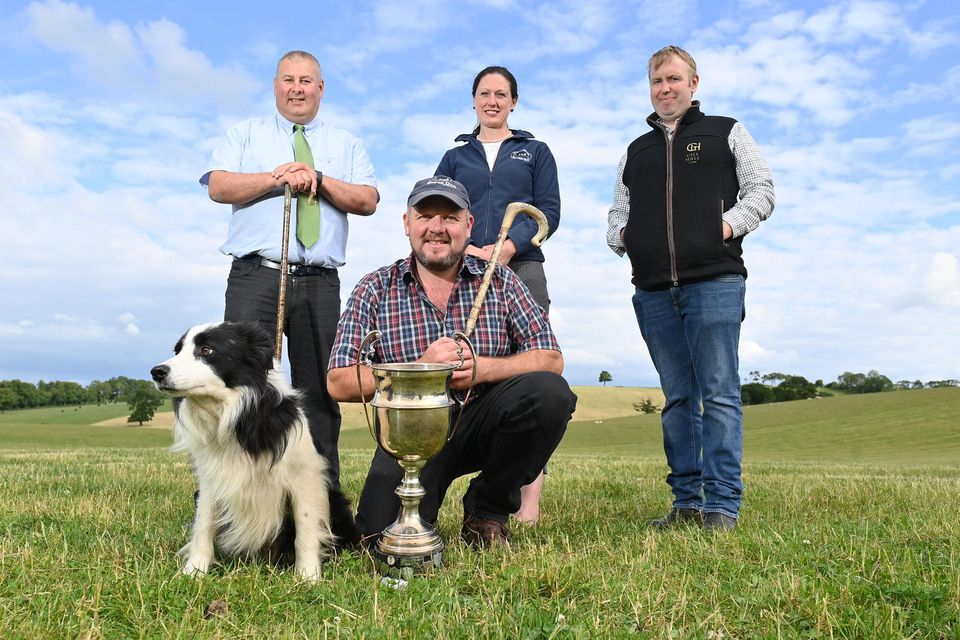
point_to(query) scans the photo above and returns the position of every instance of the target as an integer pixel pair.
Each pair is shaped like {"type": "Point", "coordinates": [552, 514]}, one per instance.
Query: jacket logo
{"type": "Point", "coordinates": [693, 153]}
{"type": "Point", "coordinates": [693, 146]}
{"type": "Point", "coordinates": [522, 154]}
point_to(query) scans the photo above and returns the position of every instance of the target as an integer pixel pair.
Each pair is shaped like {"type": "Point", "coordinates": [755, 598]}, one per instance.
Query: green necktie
{"type": "Point", "coordinates": [308, 209]}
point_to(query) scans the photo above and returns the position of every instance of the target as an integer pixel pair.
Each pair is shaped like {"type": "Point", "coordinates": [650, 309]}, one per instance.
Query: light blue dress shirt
{"type": "Point", "coordinates": [262, 144]}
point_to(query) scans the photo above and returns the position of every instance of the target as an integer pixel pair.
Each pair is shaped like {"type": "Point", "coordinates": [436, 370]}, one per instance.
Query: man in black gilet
{"type": "Point", "coordinates": [686, 194]}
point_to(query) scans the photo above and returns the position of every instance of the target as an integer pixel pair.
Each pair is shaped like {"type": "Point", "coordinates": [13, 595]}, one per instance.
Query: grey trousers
{"type": "Point", "coordinates": [531, 274]}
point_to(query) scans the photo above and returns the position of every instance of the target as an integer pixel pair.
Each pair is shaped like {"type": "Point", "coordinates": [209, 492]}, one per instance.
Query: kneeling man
{"type": "Point", "coordinates": [520, 405]}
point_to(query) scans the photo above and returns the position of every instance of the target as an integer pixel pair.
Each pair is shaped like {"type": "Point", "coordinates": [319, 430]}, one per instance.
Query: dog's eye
{"type": "Point", "coordinates": [206, 351]}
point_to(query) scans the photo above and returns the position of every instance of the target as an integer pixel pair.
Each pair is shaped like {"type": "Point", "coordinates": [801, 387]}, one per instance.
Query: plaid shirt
{"type": "Point", "coordinates": [755, 201]}
{"type": "Point", "coordinates": [392, 300]}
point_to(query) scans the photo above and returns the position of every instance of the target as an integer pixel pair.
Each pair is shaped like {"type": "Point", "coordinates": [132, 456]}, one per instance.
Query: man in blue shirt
{"type": "Point", "coordinates": [248, 170]}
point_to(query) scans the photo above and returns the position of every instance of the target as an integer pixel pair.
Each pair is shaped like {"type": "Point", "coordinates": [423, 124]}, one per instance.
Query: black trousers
{"type": "Point", "coordinates": [507, 434]}
{"type": "Point", "coordinates": [312, 312]}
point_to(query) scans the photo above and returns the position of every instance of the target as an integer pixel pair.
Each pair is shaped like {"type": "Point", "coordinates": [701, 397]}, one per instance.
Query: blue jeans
{"type": "Point", "coordinates": [693, 332]}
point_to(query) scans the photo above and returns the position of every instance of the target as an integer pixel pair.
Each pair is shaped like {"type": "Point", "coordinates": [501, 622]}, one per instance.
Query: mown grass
{"type": "Point", "coordinates": [88, 544]}
{"type": "Point", "coordinates": [824, 549]}
{"type": "Point", "coordinates": [76, 415]}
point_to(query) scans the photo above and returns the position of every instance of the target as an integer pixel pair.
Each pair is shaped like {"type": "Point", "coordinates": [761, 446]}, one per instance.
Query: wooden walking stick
{"type": "Point", "coordinates": [284, 265]}
{"type": "Point", "coordinates": [543, 229]}
{"type": "Point", "coordinates": [512, 210]}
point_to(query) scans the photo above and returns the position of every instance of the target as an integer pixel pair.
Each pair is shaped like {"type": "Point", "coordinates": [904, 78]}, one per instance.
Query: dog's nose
{"type": "Point", "coordinates": [160, 372]}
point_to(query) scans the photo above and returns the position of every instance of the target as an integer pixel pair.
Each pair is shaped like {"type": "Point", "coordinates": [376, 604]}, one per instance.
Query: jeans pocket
{"type": "Point", "coordinates": [729, 277]}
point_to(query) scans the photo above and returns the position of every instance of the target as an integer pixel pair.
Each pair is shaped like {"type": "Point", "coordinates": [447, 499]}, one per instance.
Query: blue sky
{"type": "Point", "coordinates": [109, 112]}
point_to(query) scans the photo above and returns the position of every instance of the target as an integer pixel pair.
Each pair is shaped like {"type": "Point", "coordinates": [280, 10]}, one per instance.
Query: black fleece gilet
{"type": "Point", "coordinates": [679, 190]}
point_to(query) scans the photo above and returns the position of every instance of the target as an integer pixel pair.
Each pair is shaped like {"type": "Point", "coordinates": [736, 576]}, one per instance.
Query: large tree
{"type": "Point", "coordinates": [143, 401]}
{"type": "Point", "coordinates": [756, 393]}
{"type": "Point", "coordinates": [871, 382]}
{"type": "Point", "coordinates": [605, 377]}
{"type": "Point", "coordinates": [794, 388]}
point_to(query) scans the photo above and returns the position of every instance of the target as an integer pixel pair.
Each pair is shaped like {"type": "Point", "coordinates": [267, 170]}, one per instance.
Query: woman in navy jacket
{"type": "Point", "coordinates": [499, 165]}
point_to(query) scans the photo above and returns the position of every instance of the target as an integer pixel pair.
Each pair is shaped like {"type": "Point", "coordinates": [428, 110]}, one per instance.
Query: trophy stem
{"type": "Point", "coordinates": [410, 491]}
{"type": "Point", "coordinates": [409, 545]}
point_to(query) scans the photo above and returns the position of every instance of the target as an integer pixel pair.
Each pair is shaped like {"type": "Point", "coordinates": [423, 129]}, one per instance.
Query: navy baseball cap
{"type": "Point", "coordinates": [440, 186]}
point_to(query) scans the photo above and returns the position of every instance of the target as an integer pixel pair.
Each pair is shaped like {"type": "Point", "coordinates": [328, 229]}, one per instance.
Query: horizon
{"type": "Point", "coordinates": [109, 112]}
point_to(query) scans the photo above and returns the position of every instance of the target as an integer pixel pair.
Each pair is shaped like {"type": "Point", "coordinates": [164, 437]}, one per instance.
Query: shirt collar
{"type": "Point", "coordinates": [514, 135]}
{"type": "Point", "coordinates": [288, 125]}
{"type": "Point", "coordinates": [693, 110]}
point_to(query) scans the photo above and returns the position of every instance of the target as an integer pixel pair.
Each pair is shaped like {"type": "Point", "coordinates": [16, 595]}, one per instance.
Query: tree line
{"type": "Point", "coordinates": [16, 394]}
{"type": "Point", "coordinates": [779, 387]}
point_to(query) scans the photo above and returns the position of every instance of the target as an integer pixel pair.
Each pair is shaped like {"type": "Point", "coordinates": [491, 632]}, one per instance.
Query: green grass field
{"type": "Point", "coordinates": [849, 530]}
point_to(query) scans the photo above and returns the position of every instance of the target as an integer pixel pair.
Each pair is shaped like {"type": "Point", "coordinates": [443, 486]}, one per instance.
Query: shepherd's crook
{"type": "Point", "coordinates": [282, 297]}
{"type": "Point", "coordinates": [512, 210]}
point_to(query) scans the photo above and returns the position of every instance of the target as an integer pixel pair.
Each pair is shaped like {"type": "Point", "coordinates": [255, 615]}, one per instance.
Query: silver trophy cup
{"type": "Point", "coordinates": [412, 409]}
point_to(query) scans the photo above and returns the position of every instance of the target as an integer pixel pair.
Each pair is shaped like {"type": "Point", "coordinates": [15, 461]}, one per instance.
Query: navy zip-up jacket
{"type": "Point", "coordinates": [524, 171]}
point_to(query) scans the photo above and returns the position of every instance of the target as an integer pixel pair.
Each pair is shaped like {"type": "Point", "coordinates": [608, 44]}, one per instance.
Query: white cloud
{"type": "Point", "coordinates": [28, 152]}
{"type": "Point", "coordinates": [654, 21]}
{"type": "Point", "coordinates": [152, 58]}
{"type": "Point", "coordinates": [572, 26]}
{"type": "Point", "coordinates": [107, 52]}
{"type": "Point", "coordinates": [943, 281]}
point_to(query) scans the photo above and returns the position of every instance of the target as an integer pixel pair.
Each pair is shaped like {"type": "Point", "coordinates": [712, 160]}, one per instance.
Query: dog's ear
{"type": "Point", "coordinates": [265, 426]}
{"type": "Point", "coordinates": [259, 343]}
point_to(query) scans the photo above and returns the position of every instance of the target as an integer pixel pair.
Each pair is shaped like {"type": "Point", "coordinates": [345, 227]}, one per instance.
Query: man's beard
{"type": "Point", "coordinates": [439, 264]}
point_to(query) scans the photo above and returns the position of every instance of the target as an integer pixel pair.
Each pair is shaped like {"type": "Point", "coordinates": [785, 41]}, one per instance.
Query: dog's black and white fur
{"type": "Point", "coordinates": [263, 487]}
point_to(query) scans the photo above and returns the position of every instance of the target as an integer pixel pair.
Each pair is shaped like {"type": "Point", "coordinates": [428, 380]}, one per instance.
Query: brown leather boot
{"type": "Point", "coordinates": [481, 532]}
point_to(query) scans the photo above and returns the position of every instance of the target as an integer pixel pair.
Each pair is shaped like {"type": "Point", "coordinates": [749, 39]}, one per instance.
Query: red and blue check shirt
{"type": "Point", "coordinates": [392, 301]}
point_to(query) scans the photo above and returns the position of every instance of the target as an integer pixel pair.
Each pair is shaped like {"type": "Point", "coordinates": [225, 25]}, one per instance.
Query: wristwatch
{"type": "Point", "coordinates": [319, 177]}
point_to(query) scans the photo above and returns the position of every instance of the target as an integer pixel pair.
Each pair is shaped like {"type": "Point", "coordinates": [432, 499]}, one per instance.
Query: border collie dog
{"type": "Point", "coordinates": [264, 489]}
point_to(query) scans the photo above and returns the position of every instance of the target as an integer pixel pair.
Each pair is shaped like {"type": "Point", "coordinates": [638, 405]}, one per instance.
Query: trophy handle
{"type": "Point", "coordinates": [458, 336]}
{"type": "Point", "coordinates": [364, 354]}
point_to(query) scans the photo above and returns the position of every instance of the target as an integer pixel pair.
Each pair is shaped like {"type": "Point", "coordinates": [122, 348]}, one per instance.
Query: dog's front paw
{"type": "Point", "coordinates": [196, 567]}
{"type": "Point", "coordinates": [309, 571]}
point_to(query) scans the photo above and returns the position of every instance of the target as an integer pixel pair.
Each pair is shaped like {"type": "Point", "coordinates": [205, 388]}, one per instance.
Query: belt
{"type": "Point", "coordinates": [292, 269]}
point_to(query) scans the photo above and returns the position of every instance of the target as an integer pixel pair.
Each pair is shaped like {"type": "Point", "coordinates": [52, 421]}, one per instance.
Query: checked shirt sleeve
{"type": "Point", "coordinates": [358, 317]}
{"type": "Point", "coordinates": [619, 212]}
{"type": "Point", "coordinates": [756, 197]}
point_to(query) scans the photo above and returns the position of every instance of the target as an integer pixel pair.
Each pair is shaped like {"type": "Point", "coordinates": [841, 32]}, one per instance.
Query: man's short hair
{"type": "Point", "coordinates": [300, 55]}
{"type": "Point", "coordinates": [658, 59]}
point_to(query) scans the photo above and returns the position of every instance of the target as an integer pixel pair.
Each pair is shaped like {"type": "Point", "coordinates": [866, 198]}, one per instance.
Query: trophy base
{"type": "Point", "coordinates": [406, 567]}
{"type": "Point", "coordinates": [406, 551]}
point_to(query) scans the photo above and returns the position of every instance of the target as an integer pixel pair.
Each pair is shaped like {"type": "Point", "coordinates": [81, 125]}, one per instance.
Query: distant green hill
{"type": "Point", "coordinates": [899, 427]}
{"type": "Point", "coordinates": [902, 427]}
